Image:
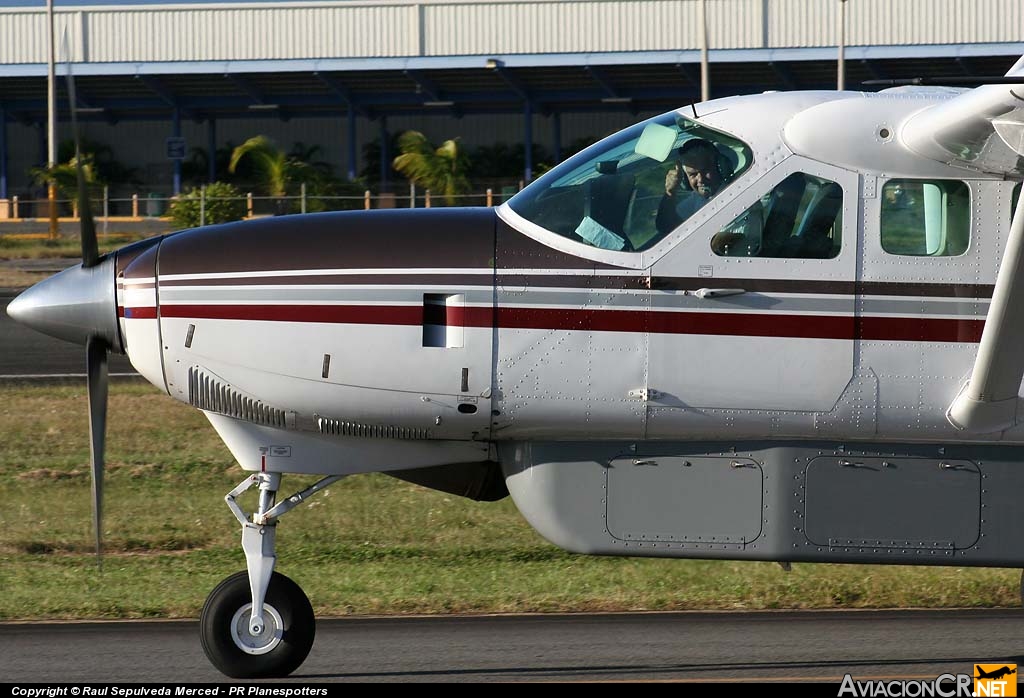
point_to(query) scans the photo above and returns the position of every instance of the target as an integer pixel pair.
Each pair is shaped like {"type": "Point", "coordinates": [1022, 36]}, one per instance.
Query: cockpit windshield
{"type": "Point", "coordinates": [628, 191]}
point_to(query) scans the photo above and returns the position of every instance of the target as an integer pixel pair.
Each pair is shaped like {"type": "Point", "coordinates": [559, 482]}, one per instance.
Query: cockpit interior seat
{"type": "Point", "coordinates": [607, 200]}
{"type": "Point", "coordinates": [815, 229]}
{"type": "Point", "coordinates": [780, 214]}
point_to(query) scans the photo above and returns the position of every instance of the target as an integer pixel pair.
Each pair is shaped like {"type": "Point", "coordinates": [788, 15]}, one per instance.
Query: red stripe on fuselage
{"type": "Point", "coordinates": [656, 322]}
{"type": "Point", "coordinates": [140, 313]}
{"type": "Point", "coordinates": [335, 314]}
{"type": "Point", "coordinates": [917, 329]}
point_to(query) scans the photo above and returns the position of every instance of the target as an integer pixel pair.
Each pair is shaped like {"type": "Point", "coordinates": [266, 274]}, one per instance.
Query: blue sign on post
{"type": "Point", "coordinates": [175, 148]}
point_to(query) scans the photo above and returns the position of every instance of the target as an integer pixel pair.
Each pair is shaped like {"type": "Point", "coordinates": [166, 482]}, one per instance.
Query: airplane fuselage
{"type": "Point", "coordinates": [777, 327]}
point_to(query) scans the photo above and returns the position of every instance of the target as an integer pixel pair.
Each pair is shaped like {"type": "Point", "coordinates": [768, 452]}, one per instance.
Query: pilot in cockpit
{"type": "Point", "coordinates": [698, 175]}
{"type": "Point", "coordinates": [701, 171]}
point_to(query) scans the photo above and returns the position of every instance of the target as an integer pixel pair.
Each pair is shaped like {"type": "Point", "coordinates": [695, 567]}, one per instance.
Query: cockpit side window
{"type": "Point", "coordinates": [630, 190]}
{"type": "Point", "coordinates": [801, 218]}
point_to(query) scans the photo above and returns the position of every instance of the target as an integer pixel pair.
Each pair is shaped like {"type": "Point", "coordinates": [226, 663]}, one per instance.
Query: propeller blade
{"type": "Point", "coordinates": [90, 246]}
{"type": "Point", "coordinates": [96, 366]}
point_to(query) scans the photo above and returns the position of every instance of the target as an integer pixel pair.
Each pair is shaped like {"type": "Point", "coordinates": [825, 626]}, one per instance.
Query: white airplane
{"type": "Point", "coordinates": [775, 327]}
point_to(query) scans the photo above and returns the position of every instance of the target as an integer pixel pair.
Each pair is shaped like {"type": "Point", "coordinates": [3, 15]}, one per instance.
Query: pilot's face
{"type": "Point", "coordinates": [700, 167]}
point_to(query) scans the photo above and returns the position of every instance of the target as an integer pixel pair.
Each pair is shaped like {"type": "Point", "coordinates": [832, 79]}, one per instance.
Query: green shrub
{"type": "Point", "coordinates": [223, 203]}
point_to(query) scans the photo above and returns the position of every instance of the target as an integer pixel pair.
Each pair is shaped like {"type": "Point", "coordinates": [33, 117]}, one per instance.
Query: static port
{"type": "Point", "coordinates": [467, 408]}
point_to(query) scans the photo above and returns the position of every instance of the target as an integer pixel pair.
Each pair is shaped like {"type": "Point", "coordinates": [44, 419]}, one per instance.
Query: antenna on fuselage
{"type": "Point", "coordinates": [951, 81]}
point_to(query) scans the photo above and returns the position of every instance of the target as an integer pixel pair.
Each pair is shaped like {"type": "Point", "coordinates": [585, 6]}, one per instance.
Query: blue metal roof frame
{"type": "Point", "coordinates": [637, 81]}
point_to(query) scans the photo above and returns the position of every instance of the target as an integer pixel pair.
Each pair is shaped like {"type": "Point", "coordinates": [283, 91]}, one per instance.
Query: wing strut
{"type": "Point", "coordinates": [989, 402]}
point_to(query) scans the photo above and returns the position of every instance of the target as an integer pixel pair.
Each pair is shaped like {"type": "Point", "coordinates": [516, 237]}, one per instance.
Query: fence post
{"type": "Point", "coordinates": [366, 199]}
{"type": "Point", "coordinates": [15, 212]}
{"type": "Point", "coordinates": [426, 198]}
{"type": "Point", "coordinates": [303, 197]}
{"type": "Point", "coordinates": [412, 195]}
{"type": "Point", "coordinates": [106, 210]}
{"type": "Point", "coordinates": [490, 197]}
{"type": "Point", "coordinates": [202, 206]}
{"type": "Point", "coordinates": [248, 205]}
{"type": "Point", "coordinates": [135, 205]}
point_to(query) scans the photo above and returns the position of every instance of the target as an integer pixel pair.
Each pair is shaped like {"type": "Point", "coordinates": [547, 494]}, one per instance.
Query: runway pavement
{"type": "Point", "coordinates": [705, 647]}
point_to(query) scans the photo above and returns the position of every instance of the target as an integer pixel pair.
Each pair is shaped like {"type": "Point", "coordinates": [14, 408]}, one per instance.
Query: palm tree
{"type": "Point", "coordinates": [270, 161]}
{"type": "Point", "coordinates": [275, 166]}
{"type": "Point", "coordinates": [442, 169]}
{"type": "Point", "coordinates": [65, 177]}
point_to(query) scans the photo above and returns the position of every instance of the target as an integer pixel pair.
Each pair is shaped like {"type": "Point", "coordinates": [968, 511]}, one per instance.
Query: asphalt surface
{"type": "Point", "coordinates": [25, 352]}
{"type": "Point", "coordinates": [706, 647]}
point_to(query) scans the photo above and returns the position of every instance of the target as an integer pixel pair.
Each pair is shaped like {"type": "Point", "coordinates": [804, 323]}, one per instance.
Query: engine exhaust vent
{"type": "Point", "coordinates": [337, 427]}
{"type": "Point", "coordinates": [211, 394]}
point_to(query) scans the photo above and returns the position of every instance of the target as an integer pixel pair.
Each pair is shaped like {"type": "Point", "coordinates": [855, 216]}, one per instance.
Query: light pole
{"type": "Point", "coordinates": [51, 124]}
{"type": "Point", "coordinates": [705, 89]}
{"type": "Point", "coordinates": [841, 72]}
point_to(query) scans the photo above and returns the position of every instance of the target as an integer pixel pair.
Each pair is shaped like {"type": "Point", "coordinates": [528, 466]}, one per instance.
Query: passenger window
{"type": "Point", "coordinates": [925, 218]}
{"type": "Point", "coordinates": [801, 218]}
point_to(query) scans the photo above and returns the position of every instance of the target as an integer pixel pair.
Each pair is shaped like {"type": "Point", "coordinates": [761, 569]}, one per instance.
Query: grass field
{"type": "Point", "coordinates": [40, 247]}
{"type": "Point", "coordinates": [368, 545]}
{"type": "Point", "coordinates": [17, 248]}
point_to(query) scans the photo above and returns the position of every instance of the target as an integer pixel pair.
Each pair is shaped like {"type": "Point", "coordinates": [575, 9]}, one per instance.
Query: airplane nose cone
{"type": "Point", "coordinates": [74, 305]}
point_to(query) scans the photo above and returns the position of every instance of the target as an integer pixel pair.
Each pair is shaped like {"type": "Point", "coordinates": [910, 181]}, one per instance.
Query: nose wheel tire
{"type": "Point", "coordinates": [277, 651]}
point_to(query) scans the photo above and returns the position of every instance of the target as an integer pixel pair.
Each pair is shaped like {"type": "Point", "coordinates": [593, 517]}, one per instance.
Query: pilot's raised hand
{"type": "Point", "coordinates": [672, 180]}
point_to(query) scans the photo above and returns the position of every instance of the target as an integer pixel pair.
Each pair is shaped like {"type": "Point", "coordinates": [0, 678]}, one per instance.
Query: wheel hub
{"type": "Point", "coordinates": [263, 642]}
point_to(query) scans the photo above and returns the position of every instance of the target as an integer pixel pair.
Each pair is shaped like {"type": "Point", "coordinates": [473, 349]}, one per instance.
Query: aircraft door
{"type": "Point", "coordinates": [753, 312]}
{"type": "Point", "coordinates": [571, 345]}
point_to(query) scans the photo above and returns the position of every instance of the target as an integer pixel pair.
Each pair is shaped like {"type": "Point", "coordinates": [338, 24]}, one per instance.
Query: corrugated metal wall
{"type": "Point", "coordinates": [895, 22]}
{"type": "Point", "coordinates": [375, 28]}
{"type": "Point", "coordinates": [586, 26]}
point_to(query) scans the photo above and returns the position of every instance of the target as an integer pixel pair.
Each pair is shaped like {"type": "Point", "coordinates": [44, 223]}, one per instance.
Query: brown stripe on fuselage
{"type": "Point", "coordinates": [890, 288]}
{"type": "Point", "coordinates": [513, 277]}
{"type": "Point", "coordinates": [387, 279]}
{"type": "Point", "coordinates": [838, 288]}
{"type": "Point", "coordinates": [129, 253]}
{"type": "Point", "coordinates": [396, 239]}
{"type": "Point", "coordinates": [141, 265]}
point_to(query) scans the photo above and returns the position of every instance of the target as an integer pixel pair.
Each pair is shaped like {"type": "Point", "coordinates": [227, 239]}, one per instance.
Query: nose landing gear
{"type": "Point", "coordinates": [259, 623]}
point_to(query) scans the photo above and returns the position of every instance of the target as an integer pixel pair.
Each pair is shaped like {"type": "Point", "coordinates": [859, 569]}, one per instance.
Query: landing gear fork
{"type": "Point", "coordinates": [259, 623]}
{"type": "Point", "coordinates": [259, 535]}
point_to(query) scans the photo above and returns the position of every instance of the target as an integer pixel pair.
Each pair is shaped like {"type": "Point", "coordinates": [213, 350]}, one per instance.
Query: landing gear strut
{"type": "Point", "coordinates": [259, 623]}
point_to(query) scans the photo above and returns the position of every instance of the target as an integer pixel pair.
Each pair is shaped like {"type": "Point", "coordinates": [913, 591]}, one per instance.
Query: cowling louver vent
{"type": "Point", "coordinates": [213, 395]}
{"type": "Point", "coordinates": [369, 431]}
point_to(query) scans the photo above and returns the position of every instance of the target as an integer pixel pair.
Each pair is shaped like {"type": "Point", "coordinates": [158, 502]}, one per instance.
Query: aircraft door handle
{"type": "Point", "coordinates": [718, 292]}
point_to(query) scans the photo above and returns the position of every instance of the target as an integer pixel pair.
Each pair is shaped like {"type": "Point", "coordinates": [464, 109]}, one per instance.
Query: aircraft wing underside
{"type": "Point", "coordinates": [980, 130]}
